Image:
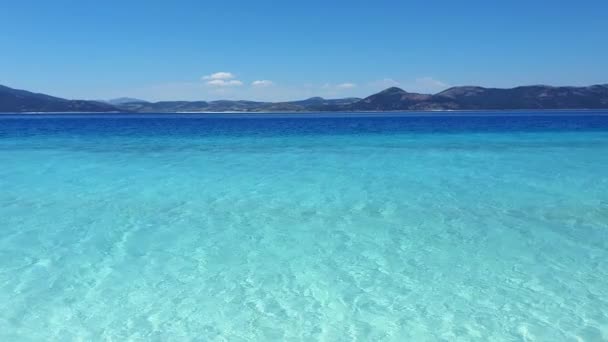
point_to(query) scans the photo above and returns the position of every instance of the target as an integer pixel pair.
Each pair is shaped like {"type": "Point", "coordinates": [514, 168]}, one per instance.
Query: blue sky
{"type": "Point", "coordinates": [160, 50]}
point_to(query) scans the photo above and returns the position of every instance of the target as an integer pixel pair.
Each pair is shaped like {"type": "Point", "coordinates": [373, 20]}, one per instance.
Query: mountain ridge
{"type": "Point", "coordinates": [19, 101]}
{"type": "Point", "coordinates": [390, 99]}
{"type": "Point", "coordinates": [122, 100]}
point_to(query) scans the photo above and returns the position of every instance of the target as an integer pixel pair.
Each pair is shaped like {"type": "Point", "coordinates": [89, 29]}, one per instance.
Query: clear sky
{"type": "Point", "coordinates": [279, 50]}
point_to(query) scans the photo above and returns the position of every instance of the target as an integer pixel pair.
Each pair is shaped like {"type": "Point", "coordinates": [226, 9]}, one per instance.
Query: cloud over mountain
{"type": "Point", "coordinates": [346, 85]}
{"type": "Point", "coordinates": [262, 83]}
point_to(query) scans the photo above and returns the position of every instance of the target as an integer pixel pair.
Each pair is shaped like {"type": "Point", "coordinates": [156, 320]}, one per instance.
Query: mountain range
{"type": "Point", "coordinates": [17, 101]}
{"type": "Point", "coordinates": [391, 99]}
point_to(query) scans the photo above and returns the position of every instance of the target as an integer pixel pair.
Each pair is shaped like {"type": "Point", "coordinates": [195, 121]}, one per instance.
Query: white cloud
{"type": "Point", "coordinates": [262, 83]}
{"type": "Point", "coordinates": [222, 75]}
{"type": "Point", "coordinates": [225, 83]}
{"type": "Point", "coordinates": [340, 86]}
{"type": "Point", "coordinates": [385, 83]}
{"type": "Point", "coordinates": [346, 85]}
{"type": "Point", "coordinates": [222, 79]}
{"type": "Point", "coordinates": [430, 83]}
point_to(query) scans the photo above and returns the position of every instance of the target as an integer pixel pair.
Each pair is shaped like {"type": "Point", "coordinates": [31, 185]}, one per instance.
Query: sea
{"type": "Point", "coordinates": [468, 226]}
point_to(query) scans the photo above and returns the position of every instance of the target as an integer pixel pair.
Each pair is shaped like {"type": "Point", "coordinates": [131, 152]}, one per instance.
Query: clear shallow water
{"type": "Point", "coordinates": [369, 228]}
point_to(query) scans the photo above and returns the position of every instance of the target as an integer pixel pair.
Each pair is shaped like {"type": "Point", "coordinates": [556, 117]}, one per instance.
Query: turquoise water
{"type": "Point", "coordinates": [397, 228]}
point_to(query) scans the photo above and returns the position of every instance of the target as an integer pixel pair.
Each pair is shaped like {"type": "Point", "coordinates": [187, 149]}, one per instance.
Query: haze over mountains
{"type": "Point", "coordinates": [311, 104]}
{"type": "Point", "coordinates": [391, 99]}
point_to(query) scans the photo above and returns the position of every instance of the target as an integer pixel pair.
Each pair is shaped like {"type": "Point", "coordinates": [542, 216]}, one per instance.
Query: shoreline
{"type": "Point", "coordinates": [440, 111]}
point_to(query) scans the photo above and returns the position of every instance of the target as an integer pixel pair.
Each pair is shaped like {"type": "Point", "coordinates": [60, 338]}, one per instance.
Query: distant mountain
{"type": "Point", "coordinates": [123, 100]}
{"type": "Point", "coordinates": [527, 97]}
{"type": "Point", "coordinates": [478, 98]}
{"type": "Point", "coordinates": [319, 101]}
{"type": "Point", "coordinates": [15, 101]}
{"type": "Point", "coordinates": [391, 99]}
{"type": "Point", "coordinates": [164, 106]}
{"type": "Point", "coordinates": [312, 104]}
{"type": "Point", "coordinates": [396, 99]}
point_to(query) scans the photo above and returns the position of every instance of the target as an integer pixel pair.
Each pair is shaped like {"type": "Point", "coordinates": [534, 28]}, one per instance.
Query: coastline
{"type": "Point", "coordinates": [450, 112]}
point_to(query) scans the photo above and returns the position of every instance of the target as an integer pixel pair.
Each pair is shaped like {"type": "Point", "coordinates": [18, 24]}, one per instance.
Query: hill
{"type": "Point", "coordinates": [18, 101]}
{"type": "Point", "coordinates": [479, 98]}
{"type": "Point", "coordinates": [391, 99]}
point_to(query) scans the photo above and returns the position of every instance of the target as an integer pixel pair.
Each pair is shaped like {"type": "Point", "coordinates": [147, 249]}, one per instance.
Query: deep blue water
{"type": "Point", "coordinates": [301, 124]}
{"type": "Point", "coordinates": [370, 227]}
